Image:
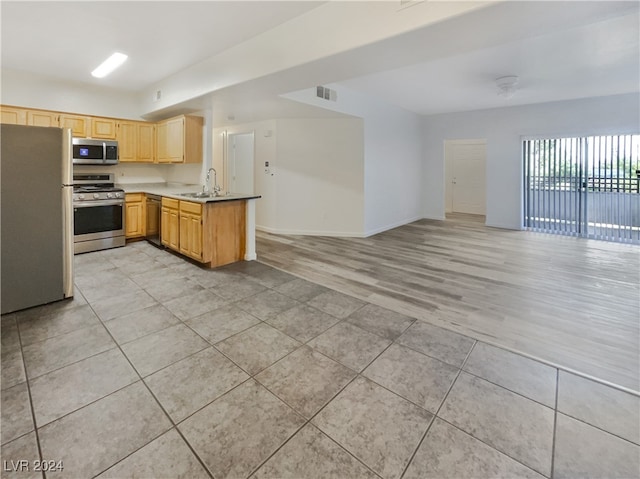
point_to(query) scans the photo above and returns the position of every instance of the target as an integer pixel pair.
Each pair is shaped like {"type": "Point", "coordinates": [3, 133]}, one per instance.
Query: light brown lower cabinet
{"type": "Point", "coordinates": [134, 215]}
{"type": "Point", "coordinates": [191, 229]}
{"type": "Point", "coordinates": [170, 224]}
{"type": "Point", "coordinates": [211, 233]}
{"type": "Point", "coordinates": [224, 232]}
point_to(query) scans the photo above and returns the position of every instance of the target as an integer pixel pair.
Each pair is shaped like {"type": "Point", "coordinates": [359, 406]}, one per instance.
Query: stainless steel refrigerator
{"type": "Point", "coordinates": [36, 217]}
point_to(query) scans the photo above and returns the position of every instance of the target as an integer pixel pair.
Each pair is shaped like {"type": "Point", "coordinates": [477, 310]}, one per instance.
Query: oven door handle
{"type": "Point", "coordinates": [88, 204]}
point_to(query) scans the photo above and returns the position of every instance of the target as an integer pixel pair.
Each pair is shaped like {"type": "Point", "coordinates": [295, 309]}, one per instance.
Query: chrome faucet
{"type": "Point", "coordinates": [216, 188]}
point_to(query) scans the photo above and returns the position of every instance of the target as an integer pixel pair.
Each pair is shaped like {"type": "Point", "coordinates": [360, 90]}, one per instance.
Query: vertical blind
{"type": "Point", "coordinates": [583, 186]}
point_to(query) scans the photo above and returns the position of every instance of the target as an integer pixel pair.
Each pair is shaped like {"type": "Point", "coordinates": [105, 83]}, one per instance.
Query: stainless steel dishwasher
{"type": "Point", "coordinates": [154, 218]}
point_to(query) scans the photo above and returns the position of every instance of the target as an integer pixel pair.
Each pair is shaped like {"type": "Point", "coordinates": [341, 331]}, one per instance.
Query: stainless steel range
{"type": "Point", "coordinates": [98, 213]}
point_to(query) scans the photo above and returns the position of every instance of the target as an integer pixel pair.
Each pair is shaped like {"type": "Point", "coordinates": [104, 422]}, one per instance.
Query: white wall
{"type": "Point", "coordinates": [319, 177]}
{"type": "Point", "coordinates": [504, 129]}
{"type": "Point", "coordinates": [47, 93]}
{"type": "Point", "coordinates": [392, 156]}
{"type": "Point", "coordinates": [129, 173]}
{"type": "Point", "coordinates": [314, 182]}
{"type": "Point", "coordinates": [393, 168]}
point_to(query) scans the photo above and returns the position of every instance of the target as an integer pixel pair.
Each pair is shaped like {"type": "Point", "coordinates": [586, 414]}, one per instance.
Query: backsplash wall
{"type": "Point", "coordinates": [191, 174]}
{"type": "Point", "coordinates": [127, 173]}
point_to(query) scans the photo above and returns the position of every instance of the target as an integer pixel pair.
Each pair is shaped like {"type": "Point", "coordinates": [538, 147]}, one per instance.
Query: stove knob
{"type": "Point", "coordinates": [96, 196]}
{"type": "Point", "coordinates": [118, 195]}
{"type": "Point", "coordinates": [80, 197]}
{"type": "Point", "coordinates": [109, 195]}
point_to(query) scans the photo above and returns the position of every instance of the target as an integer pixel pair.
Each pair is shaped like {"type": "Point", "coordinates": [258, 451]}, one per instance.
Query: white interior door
{"type": "Point", "coordinates": [240, 159]}
{"type": "Point", "coordinates": [466, 176]}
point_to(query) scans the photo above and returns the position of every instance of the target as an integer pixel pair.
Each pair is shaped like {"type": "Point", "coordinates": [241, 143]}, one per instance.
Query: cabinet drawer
{"type": "Point", "coordinates": [189, 207]}
{"type": "Point", "coordinates": [134, 197]}
{"type": "Point", "coordinates": [170, 203]}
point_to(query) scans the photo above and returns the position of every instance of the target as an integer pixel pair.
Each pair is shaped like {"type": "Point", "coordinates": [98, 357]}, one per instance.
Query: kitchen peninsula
{"type": "Point", "coordinates": [213, 230]}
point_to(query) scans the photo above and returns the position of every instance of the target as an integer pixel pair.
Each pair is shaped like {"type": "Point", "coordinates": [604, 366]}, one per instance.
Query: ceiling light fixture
{"type": "Point", "coordinates": [507, 86]}
{"type": "Point", "coordinates": [110, 64]}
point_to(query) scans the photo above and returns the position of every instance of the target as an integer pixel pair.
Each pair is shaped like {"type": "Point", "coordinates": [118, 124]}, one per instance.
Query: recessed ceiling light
{"type": "Point", "coordinates": [110, 64]}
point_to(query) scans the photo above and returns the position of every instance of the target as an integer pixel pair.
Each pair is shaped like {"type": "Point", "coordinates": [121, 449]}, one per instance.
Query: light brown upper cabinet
{"type": "Point", "coordinates": [136, 141]}
{"type": "Point", "coordinates": [103, 128]}
{"type": "Point", "coordinates": [13, 116]}
{"type": "Point", "coordinates": [42, 118]}
{"type": "Point", "coordinates": [80, 125]}
{"type": "Point", "coordinates": [127, 141]}
{"type": "Point", "coordinates": [179, 140]}
{"type": "Point", "coordinates": [176, 140]}
{"type": "Point", "coordinates": [146, 147]}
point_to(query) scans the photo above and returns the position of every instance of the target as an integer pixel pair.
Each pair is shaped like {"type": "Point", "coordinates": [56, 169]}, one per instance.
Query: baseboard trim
{"type": "Point", "coordinates": [503, 226]}
{"type": "Point", "coordinates": [380, 229]}
{"type": "Point", "coordinates": [435, 217]}
{"type": "Point", "coordinates": [343, 234]}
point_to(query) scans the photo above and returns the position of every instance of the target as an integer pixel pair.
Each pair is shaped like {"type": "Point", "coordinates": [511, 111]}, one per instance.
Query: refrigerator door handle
{"type": "Point", "coordinates": [67, 233]}
{"type": "Point", "coordinates": [67, 213]}
{"type": "Point", "coordinates": [67, 162]}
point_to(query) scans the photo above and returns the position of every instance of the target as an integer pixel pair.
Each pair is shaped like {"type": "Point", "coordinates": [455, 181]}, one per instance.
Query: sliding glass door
{"type": "Point", "coordinates": [583, 186]}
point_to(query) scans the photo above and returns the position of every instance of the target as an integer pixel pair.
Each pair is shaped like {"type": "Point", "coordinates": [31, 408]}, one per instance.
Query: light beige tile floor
{"type": "Point", "coordinates": [159, 368]}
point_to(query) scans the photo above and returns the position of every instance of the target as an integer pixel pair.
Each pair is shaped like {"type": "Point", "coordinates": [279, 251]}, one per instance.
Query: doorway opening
{"type": "Point", "coordinates": [240, 161]}
{"type": "Point", "coordinates": [465, 179]}
{"type": "Point", "coordinates": [584, 186]}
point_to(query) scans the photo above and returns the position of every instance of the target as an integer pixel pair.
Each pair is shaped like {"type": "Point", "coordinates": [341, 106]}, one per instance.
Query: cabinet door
{"type": "Point", "coordinates": [175, 140]}
{"type": "Point", "coordinates": [174, 230]}
{"type": "Point", "coordinates": [127, 140]}
{"type": "Point", "coordinates": [161, 142]}
{"type": "Point", "coordinates": [134, 215]}
{"type": "Point", "coordinates": [191, 235]}
{"type": "Point", "coordinates": [191, 229]}
{"type": "Point", "coordinates": [103, 128]}
{"type": "Point", "coordinates": [13, 116]}
{"type": "Point", "coordinates": [42, 118]}
{"type": "Point", "coordinates": [195, 238]}
{"type": "Point", "coordinates": [134, 220]}
{"type": "Point", "coordinates": [146, 142]}
{"type": "Point", "coordinates": [80, 125]}
{"type": "Point", "coordinates": [185, 233]}
{"type": "Point", "coordinates": [170, 227]}
{"type": "Point", "coordinates": [164, 226]}
{"type": "Point", "coordinates": [192, 139]}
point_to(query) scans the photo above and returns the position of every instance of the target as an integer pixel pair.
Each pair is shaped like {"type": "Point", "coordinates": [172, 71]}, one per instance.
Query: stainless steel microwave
{"type": "Point", "coordinates": [89, 151]}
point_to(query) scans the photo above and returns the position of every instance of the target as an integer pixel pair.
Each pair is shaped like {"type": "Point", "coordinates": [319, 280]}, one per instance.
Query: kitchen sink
{"type": "Point", "coordinates": [200, 194]}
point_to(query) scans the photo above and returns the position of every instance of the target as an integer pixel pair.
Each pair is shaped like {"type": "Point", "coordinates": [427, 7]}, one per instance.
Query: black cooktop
{"type": "Point", "coordinates": [95, 189]}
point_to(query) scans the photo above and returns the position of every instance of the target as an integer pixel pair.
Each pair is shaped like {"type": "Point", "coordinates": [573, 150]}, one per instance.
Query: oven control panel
{"type": "Point", "coordinates": [98, 196]}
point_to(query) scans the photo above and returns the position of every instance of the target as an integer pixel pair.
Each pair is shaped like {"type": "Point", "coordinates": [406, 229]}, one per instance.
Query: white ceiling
{"type": "Point", "coordinates": [559, 50]}
{"type": "Point", "coordinates": [597, 59]}
{"type": "Point", "coordinates": [69, 39]}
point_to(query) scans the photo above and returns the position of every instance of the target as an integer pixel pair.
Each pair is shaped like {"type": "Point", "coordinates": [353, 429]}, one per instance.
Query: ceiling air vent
{"type": "Point", "coordinates": [326, 93]}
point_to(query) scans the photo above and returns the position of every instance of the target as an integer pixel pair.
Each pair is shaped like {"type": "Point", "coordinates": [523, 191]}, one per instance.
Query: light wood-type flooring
{"type": "Point", "coordinates": [567, 301]}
